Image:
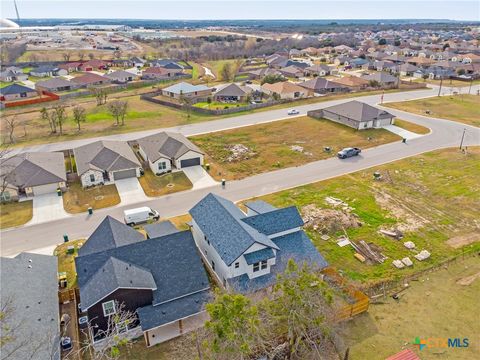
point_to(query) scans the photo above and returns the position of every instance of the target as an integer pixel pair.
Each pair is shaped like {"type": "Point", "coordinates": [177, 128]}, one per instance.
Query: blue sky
{"type": "Point", "coordinates": [245, 9]}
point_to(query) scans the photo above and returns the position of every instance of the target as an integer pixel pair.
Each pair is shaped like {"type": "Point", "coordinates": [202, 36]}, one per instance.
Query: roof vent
{"type": "Point", "coordinates": [163, 312]}
{"type": "Point", "coordinates": [29, 266]}
{"type": "Point", "coordinates": [29, 260]}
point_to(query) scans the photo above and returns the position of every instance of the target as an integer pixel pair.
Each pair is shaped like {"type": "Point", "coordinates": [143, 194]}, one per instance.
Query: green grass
{"type": "Point", "coordinates": [77, 199]}
{"type": "Point", "coordinates": [66, 261]}
{"type": "Point", "coordinates": [418, 129]}
{"type": "Point", "coordinates": [15, 214]}
{"type": "Point", "coordinates": [462, 108]}
{"type": "Point", "coordinates": [5, 83]}
{"type": "Point", "coordinates": [436, 196]}
{"type": "Point", "coordinates": [157, 185]}
{"type": "Point", "coordinates": [216, 105]}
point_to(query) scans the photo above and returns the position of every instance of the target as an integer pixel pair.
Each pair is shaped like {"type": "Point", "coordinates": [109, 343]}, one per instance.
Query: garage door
{"type": "Point", "coordinates": [124, 174]}
{"type": "Point", "coordinates": [45, 189]}
{"type": "Point", "coordinates": [190, 162]}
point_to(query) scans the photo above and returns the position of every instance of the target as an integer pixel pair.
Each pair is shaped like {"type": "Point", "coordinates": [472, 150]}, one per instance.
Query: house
{"type": "Point", "coordinates": [358, 62]}
{"type": "Point", "coordinates": [355, 114]}
{"type": "Point", "coordinates": [32, 173]}
{"type": "Point", "coordinates": [291, 71]}
{"type": "Point", "coordinates": [167, 64]}
{"type": "Point", "coordinates": [383, 78]}
{"type": "Point", "coordinates": [317, 70]}
{"type": "Point", "coordinates": [91, 79]}
{"type": "Point", "coordinates": [45, 71]}
{"type": "Point", "coordinates": [407, 69]}
{"type": "Point", "coordinates": [71, 66]}
{"type": "Point", "coordinates": [161, 280]}
{"type": "Point", "coordinates": [342, 60]}
{"type": "Point", "coordinates": [29, 300]}
{"type": "Point", "coordinates": [262, 72]}
{"type": "Point", "coordinates": [420, 61]}
{"type": "Point", "coordinates": [13, 73]}
{"type": "Point", "coordinates": [120, 76]}
{"type": "Point", "coordinates": [158, 73]}
{"type": "Point", "coordinates": [55, 85]}
{"type": "Point", "coordinates": [93, 64]}
{"type": "Point", "coordinates": [137, 62]}
{"type": "Point", "coordinates": [16, 92]}
{"type": "Point", "coordinates": [353, 82]}
{"type": "Point", "coordinates": [231, 93]}
{"type": "Point", "coordinates": [166, 151]}
{"type": "Point", "coordinates": [104, 162]}
{"type": "Point", "coordinates": [246, 251]}
{"type": "Point", "coordinates": [320, 85]}
{"type": "Point", "coordinates": [187, 90]}
{"type": "Point", "coordinates": [285, 90]}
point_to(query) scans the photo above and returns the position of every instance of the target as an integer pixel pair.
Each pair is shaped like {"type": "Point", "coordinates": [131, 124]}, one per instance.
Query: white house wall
{"type": "Point", "coordinates": [188, 155]}
{"type": "Point", "coordinates": [85, 178]}
{"type": "Point", "coordinates": [154, 165]}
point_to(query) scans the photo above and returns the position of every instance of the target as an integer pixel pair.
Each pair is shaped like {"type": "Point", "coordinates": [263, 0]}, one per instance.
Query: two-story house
{"type": "Point", "coordinates": [245, 251]}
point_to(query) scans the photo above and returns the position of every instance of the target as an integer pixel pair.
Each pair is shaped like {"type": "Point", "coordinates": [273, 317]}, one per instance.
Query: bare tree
{"type": "Point", "coordinates": [118, 109]}
{"type": "Point", "coordinates": [81, 55]}
{"type": "Point", "coordinates": [226, 73]}
{"type": "Point", "coordinates": [100, 96]}
{"type": "Point", "coordinates": [66, 56]}
{"type": "Point", "coordinates": [5, 170]}
{"type": "Point", "coordinates": [91, 56]}
{"type": "Point", "coordinates": [60, 115]}
{"type": "Point", "coordinates": [79, 115]}
{"type": "Point", "coordinates": [11, 124]}
{"type": "Point", "coordinates": [47, 116]}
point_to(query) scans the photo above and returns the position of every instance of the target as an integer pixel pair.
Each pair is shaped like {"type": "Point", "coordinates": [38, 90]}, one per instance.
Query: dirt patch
{"type": "Point", "coordinates": [409, 220]}
{"type": "Point", "coordinates": [239, 152]}
{"type": "Point", "coordinates": [460, 241]}
{"type": "Point", "coordinates": [329, 220]}
{"type": "Point", "coordinates": [466, 281]}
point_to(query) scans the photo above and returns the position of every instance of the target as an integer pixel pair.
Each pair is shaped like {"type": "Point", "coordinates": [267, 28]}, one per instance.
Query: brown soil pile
{"type": "Point", "coordinates": [329, 220]}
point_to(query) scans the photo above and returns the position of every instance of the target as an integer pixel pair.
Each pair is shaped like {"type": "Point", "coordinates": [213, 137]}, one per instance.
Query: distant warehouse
{"type": "Point", "coordinates": [355, 114]}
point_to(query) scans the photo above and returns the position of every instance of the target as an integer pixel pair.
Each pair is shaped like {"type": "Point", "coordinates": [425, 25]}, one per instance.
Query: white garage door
{"type": "Point", "coordinates": [124, 174]}
{"type": "Point", "coordinates": [45, 189]}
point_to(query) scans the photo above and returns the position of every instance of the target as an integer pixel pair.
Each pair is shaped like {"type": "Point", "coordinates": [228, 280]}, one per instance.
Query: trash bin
{"type": "Point", "coordinates": [65, 238]}
{"type": "Point", "coordinates": [59, 192]}
{"type": "Point", "coordinates": [207, 167]}
{"type": "Point", "coordinates": [90, 210]}
{"type": "Point", "coordinates": [223, 182]}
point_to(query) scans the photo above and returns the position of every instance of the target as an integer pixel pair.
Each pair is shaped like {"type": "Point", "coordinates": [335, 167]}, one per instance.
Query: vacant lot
{"type": "Point", "coordinates": [431, 198]}
{"type": "Point", "coordinates": [436, 306]}
{"type": "Point", "coordinates": [462, 108]}
{"type": "Point", "coordinates": [15, 214]}
{"type": "Point", "coordinates": [281, 144]}
{"type": "Point", "coordinates": [164, 184]}
{"type": "Point", "coordinates": [78, 199]}
{"type": "Point", "coordinates": [407, 125]}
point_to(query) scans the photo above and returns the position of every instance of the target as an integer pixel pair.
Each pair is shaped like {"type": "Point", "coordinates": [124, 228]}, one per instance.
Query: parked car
{"type": "Point", "coordinates": [348, 152]}
{"type": "Point", "coordinates": [293, 112]}
{"type": "Point", "coordinates": [140, 215]}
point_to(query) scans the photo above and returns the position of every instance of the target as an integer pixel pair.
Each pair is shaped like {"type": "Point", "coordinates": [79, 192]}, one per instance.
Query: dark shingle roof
{"type": "Point", "coordinates": [320, 83]}
{"type": "Point", "coordinates": [359, 111]}
{"type": "Point", "coordinates": [15, 89]}
{"type": "Point", "coordinates": [259, 255]}
{"type": "Point", "coordinates": [166, 144]}
{"type": "Point", "coordinates": [54, 83]}
{"type": "Point", "coordinates": [160, 229]}
{"type": "Point", "coordinates": [260, 206]}
{"type": "Point", "coordinates": [276, 221]}
{"type": "Point", "coordinates": [230, 90]}
{"type": "Point", "coordinates": [221, 222]}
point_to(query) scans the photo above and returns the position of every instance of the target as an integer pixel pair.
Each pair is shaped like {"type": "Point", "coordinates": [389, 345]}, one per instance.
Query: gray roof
{"type": "Point", "coordinates": [110, 234]}
{"type": "Point", "coordinates": [276, 221]}
{"type": "Point", "coordinates": [160, 229]}
{"type": "Point", "coordinates": [33, 169]}
{"type": "Point", "coordinates": [55, 83]}
{"type": "Point", "coordinates": [381, 77]}
{"type": "Point", "coordinates": [105, 156]}
{"type": "Point", "coordinates": [221, 222]}
{"type": "Point", "coordinates": [320, 83]}
{"type": "Point", "coordinates": [119, 75]}
{"type": "Point", "coordinates": [259, 255]}
{"type": "Point", "coordinates": [359, 111]}
{"type": "Point", "coordinates": [15, 89]}
{"type": "Point", "coordinates": [230, 90]}
{"type": "Point", "coordinates": [318, 68]}
{"type": "Point", "coordinates": [30, 290]}
{"type": "Point", "coordinates": [260, 206]}
{"type": "Point", "coordinates": [167, 145]}
{"type": "Point", "coordinates": [185, 88]}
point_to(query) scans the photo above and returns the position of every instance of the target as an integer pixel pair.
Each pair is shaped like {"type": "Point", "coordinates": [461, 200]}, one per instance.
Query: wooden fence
{"type": "Point", "coordinates": [66, 295]}
{"type": "Point", "coordinates": [48, 96]}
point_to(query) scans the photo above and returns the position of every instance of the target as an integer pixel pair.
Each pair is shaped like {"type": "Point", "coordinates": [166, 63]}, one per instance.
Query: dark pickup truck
{"type": "Point", "coordinates": [348, 152]}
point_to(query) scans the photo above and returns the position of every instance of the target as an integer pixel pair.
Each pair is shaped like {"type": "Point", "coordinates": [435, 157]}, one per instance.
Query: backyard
{"type": "Point", "coordinates": [77, 199]}
{"type": "Point", "coordinates": [66, 260]}
{"type": "Point", "coordinates": [239, 153]}
{"type": "Point", "coordinates": [15, 214]}
{"type": "Point", "coordinates": [164, 184]}
{"type": "Point", "coordinates": [431, 198]}
{"type": "Point", "coordinates": [462, 108]}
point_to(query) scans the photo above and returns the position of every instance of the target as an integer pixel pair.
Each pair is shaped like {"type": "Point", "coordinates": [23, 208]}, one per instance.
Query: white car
{"type": "Point", "coordinates": [293, 112]}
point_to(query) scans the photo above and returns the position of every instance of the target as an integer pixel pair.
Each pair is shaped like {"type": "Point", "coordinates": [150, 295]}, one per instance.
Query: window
{"type": "Point", "coordinates": [109, 308]}
{"type": "Point", "coordinates": [237, 265]}
{"type": "Point", "coordinates": [162, 165]}
{"type": "Point", "coordinates": [5, 196]}
{"type": "Point", "coordinates": [264, 264]}
{"type": "Point", "coordinates": [92, 177]}
{"type": "Point", "coordinates": [256, 267]}
{"type": "Point", "coordinates": [213, 266]}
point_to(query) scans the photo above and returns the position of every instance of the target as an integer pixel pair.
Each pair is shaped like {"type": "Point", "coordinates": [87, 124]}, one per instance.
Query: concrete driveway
{"type": "Point", "coordinates": [199, 177]}
{"type": "Point", "coordinates": [130, 191]}
{"type": "Point", "coordinates": [405, 134]}
{"type": "Point", "coordinates": [47, 207]}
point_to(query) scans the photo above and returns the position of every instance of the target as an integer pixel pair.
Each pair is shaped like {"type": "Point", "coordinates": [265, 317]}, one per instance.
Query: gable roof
{"type": "Point", "coordinates": [320, 83]}
{"type": "Point", "coordinates": [221, 222]}
{"type": "Point", "coordinates": [119, 74]}
{"type": "Point", "coordinates": [381, 77]}
{"type": "Point", "coordinates": [110, 234]}
{"type": "Point", "coordinates": [259, 206]}
{"type": "Point", "coordinates": [259, 255]}
{"type": "Point", "coordinates": [283, 87]}
{"type": "Point", "coordinates": [89, 78]}
{"type": "Point", "coordinates": [105, 155]}
{"type": "Point", "coordinates": [166, 145]}
{"type": "Point", "coordinates": [351, 81]}
{"type": "Point", "coordinates": [275, 221]}
{"type": "Point", "coordinates": [185, 88]}
{"type": "Point", "coordinates": [33, 169]}
{"type": "Point", "coordinates": [230, 90]}
{"type": "Point", "coordinates": [161, 228]}
{"type": "Point", "coordinates": [54, 83]}
{"type": "Point", "coordinates": [15, 89]}
{"type": "Point", "coordinates": [359, 111]}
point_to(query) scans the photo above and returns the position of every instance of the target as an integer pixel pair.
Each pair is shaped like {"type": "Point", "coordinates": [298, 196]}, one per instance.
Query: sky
{"type": "Point", "coordinates": [244, 9]}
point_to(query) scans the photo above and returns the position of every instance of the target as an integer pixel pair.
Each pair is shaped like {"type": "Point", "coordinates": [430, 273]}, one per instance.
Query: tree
{"type": "Point", "coordinates": [100, 96]}
{"type": "Point", "coordinates": [186, 102]}
{"type": "Point", "coordinates": [234, 326]}
{"type": "Point", "coordinates": [59, 116]}
{"type": "Point", "coordinates": [445, 46]}
{"type": "Point", "coordinates": [460, 72]}
{"type": "Point", "coordinates": [81, 55]}
{"type": "Point", "coordinates": [272, 79]}
{"type": "Point", "coordinates": [374, 84]}
{"type": "Point", "coordinates": [66, 56]}
{"type": "Point", "coordinates": [117, 54]}
{"type": "Point", "coordinates": [382, 42]}
{"type": "Point", "coordinates": [397, 42]}
{"type": "Point", "coordinates": [209, 101]}
{"type": "Point", "coordinates": [226, 72]}
{"type": "Point", "coordinates": [91, 56]}
{"type": "Point", "coordinates": [11, 125]}
{"type": "Point", "coordinates": [46, 116]}
{"type": "Point", "coordinates": [79, 115]}
{"type": "Point", "coordinates": [118, 109]}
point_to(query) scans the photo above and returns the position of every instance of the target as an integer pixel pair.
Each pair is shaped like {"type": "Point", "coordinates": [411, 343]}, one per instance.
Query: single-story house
{"type": "Point", "coordinates": [187, 90]}
{"type": "Point", "coordinates": [56, 84]}
{"type": "Point", "coordinates": [318, 70]}
{"type": "Point", "coordinates": [320, 85]}
{"type": "Point", "coordinates": [93, 64]}
{"type": "Point", "coordinates": [167, 64]}
{"type": "Point", "coordinates": [231, 93]}
{"type": "Point", "coordinates": [13, 73]}
{"type": "Point", "coordinates": [353, 82]}
{"type": "Point", "coordinates": [407, 69]}
{"type": "Point", "coordinates": [16, 92]}
{"type": "Point", "coordinates": [71, 66]}
{"type": "Point", "coordinates": [91, 79]}
{"type": "Point", "coordinates": [382, 78]}
{"type": "Point", "coordinates": [103, 162]}
{"type": "Point", "coordinates": [137, 62]}
{"type": "Point", "coordinates": [285, 90]}
{"type": "Point", "coordinates": [246, 251]}
{"type": "Point", "coordinates": [44, 71]}
{"type": "Point", "coordinates": [291, 71]}
{"type": "Point", "coordinates": [29, 298]}
{"type": "Point", "coordinates": [157, 73]}
{"type": "Point", "coordinates": [120, 76]}
{"type": "Point", "coordinates": [358, 62]}
{"type": "Point", "coordinates": [32, 173]}
{"type": "Point", "coordinates": [262, 72]}
{"type": "Point", "coordinates": [166, 151]}
{"type": "Point", "coordinates": [355, 114]}
{"type": "Point", "coordinates": [161, 280]}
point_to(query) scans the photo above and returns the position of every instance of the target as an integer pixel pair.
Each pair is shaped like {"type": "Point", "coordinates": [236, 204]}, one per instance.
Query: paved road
{"type": "Point", "coordinates": [444, 133]}
{"type": "Point", "coordinates": [237, 121]}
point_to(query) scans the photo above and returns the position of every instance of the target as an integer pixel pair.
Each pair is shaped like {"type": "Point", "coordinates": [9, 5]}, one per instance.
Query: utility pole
{"type": "Point", "coordinates": [463, 137]}
{"type": "Point", "coordinates": [440, 87]}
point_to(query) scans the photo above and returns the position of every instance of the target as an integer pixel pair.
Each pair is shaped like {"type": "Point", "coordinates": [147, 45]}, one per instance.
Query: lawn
{"type": "Point", "coordinates": [78, 199]}
{"type": "Point", "coordinates": [274, 145]}
{"type": "Point", "coordinates": [217, 66]}
{"type": "Point", "coordinates": [66, 261]}
{"type": "Point", "coordinates": [432, 198]}
{"type": "Point", "coordinates": [15, 214]}
{"type": "Point", "coordinates": [215, 105]}
{"type": "Point", "coordinates": [164, 184]}
{"type": "Point", "coordinates": [462, 108]}
{"type": "Point", "coordinates": [434, 307]}
{"type": "Point", "coordinates": [407, 125]}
